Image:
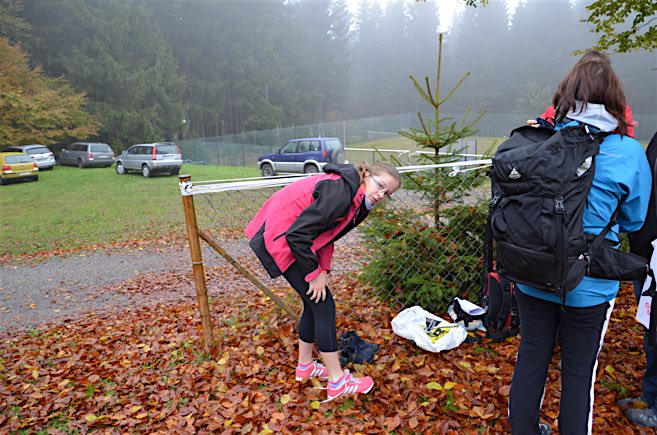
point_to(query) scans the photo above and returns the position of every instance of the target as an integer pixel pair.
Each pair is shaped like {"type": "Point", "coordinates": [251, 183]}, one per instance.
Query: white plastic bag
{"type": "Point", "coordinates": [428, 331]}
{"type": "Point", "coordinates": [643, 310]}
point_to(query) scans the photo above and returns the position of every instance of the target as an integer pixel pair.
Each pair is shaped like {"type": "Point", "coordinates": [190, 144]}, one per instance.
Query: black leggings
{"type": "Point", "coordinates": [317, 324]}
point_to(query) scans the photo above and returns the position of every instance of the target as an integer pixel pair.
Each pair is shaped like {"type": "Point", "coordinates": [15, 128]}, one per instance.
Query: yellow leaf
{"type": "Point", "coordinates": [449, 385]}
{"type": "Point", "coordinates": [285, 398]}
{"type": "Point", "coordinates": [90, 418]}
{"type": "Point", "coordinates": [135, 408]}
{"type": "Point", "coordinates": [260, 350]}
{"type": "Point", "coordinates": [465, 364]}
{"type": "Point", "coordinates": [63, 383]}
{"type": "Point", "coordinates": [228, 422]}
{"type": "Point", "coordinates": [141, 415]}
{"type": "Point", "coordinates": [609, 369]}
{"type": "Point", "coordinates": [434, 386]}
{"type": "Point", "coordinates": [315, 404]}
{"type": "Point", "coordinates": [222, 361]}
{"type": "Point", "coordinates": [35, 374]}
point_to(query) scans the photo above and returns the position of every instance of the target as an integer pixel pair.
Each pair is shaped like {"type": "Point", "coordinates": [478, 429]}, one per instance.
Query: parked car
{"type": "Point", "coordinates": [15, 166]}
{"type": "Point", "coordinates": [150, 158]}
{"type": "Point", "coordinates": [306, 155]}
{"type": "Point", "coordinates": [86, 154]}
{"type": "Point", "coordinates": [43, 157]}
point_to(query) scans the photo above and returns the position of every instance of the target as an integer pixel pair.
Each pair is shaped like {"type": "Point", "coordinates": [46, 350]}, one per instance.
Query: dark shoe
{"type": "Point", "coordinates": [544, 429]}
{"type": "Point", "coordinates": [642, 417]}
{"type": "Point", "coordinates": [631, 402]}
{"type": "Point", "coordinates": [355, 349]}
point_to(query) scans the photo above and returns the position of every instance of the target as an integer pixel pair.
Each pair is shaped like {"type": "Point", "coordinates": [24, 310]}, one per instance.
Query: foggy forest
{"type": "Point", "coordinates": [196, 68]}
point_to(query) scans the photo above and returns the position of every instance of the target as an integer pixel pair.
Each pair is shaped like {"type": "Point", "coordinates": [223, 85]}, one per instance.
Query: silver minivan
{"type": "Point", "coordinates": [150, 158]}
{"type": "Point", "coordinates": [86, 154]}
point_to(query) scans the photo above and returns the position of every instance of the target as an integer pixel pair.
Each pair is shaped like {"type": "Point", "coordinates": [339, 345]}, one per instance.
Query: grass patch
{"type": "Point", "coordinates": [70, 207]}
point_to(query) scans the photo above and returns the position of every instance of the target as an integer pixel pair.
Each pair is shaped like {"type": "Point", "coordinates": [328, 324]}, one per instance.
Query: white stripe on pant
{"type": "Point", "coordinates": [581, 333]}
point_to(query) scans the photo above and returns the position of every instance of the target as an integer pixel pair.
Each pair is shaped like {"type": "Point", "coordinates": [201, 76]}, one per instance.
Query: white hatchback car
{"type": "Point", "coordinates": [43, 157]}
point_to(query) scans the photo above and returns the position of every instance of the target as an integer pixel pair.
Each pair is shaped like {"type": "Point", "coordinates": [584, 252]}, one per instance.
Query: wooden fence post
{"type": "Point", "coordinates": [197, 260]}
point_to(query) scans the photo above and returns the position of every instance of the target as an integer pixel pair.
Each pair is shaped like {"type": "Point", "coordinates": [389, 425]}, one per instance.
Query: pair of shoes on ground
{"type": "Point", "coordinates": [356, 350]}
{"type": "Point", "coordinates": [347, 384]}
{"type": "Point", "coordinates": [638, 412]}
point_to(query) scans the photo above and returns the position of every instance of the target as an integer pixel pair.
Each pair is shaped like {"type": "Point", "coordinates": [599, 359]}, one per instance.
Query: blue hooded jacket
{"type": "Point", "coordinates": [622, 174]}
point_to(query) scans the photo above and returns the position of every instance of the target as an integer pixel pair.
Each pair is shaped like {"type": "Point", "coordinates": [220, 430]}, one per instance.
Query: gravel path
{"type": "Point", "coordinates": [61, 288]}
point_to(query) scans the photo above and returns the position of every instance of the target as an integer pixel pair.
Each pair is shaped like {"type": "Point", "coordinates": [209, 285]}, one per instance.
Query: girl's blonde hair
{"type": "Point", "coordinates": [378, 168]}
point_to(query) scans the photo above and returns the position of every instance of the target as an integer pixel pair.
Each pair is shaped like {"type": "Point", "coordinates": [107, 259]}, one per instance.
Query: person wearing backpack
{"type": "Point", "coordinates": [293, 235]}
{"type": "Point", "coordinates": [592, 95]}
{"type": "Point", "coordinates": [643, 410]}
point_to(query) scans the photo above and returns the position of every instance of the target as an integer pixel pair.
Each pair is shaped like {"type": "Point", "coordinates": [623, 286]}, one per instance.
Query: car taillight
{"type": "Point", "coordinates": [34, 164]}
{"type": "Point", "coordinates": [90, 156]}
{"type": "Point", "coordinates": [324, 153]}
{"type": "Point", "coordinates": [6, 168]}
{"type": "Point", "coordinates": [50, 154]}
{"type": "Point", "coordinates": [154, 153]}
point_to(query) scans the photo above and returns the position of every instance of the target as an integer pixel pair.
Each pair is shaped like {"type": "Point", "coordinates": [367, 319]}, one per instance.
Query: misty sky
{"type": "Point", "coordinates": [448, 9]}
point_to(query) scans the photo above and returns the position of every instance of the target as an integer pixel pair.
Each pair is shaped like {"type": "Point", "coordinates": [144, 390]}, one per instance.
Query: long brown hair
{"type": "Point", "coordinates": [378, 168]}
{"type": "Point", "coordinates": [591, 80]}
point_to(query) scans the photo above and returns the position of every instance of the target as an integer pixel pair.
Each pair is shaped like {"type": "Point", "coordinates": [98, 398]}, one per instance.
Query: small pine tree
{"type": "Point", "coordinates": [429, 255]}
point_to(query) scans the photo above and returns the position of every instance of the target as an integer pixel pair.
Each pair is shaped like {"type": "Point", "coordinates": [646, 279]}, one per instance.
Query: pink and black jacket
{"type": "Point", "coordinates": [300, 222]}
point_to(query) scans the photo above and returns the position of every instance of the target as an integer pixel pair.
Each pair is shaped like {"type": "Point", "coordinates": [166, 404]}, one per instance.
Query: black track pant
{"type": "Point", "coordinates": [581, 331]}
{"type": "Point", "coordinates": [317, 324]}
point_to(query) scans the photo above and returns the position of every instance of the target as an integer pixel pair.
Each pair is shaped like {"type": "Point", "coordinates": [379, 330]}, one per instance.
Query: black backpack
{"type": "Point", "coordinates": [541, 178]}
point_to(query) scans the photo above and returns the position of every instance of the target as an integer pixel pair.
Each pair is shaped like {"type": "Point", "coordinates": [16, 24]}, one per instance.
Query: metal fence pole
{"type": "Point", "coordinates": [197, 263]}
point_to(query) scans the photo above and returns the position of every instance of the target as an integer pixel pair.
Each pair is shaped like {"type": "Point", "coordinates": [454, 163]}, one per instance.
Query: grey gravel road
{"type": "Point", "coordinates": [61, 288]}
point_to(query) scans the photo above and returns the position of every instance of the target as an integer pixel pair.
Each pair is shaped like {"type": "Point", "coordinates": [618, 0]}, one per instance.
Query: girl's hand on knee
{"type": "Point", "coordinates": [317, 288]}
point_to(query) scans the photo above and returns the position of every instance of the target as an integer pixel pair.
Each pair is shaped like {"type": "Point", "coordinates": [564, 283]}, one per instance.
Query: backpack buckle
{"type": "Point", "coordinates": [558, 205]}
{"type": "Point", "coordinates": [494, 200]}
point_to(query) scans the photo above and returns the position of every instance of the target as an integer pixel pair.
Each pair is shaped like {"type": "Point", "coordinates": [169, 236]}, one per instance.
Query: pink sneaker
{"type": "Point", "coordinates": [313, 370]}
{"type": "Point", "coordinates": [349, 385]}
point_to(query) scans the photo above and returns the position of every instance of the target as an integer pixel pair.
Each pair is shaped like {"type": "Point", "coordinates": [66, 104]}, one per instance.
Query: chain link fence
{"type": "Point", "coordinates": [243, 149]}
{"type": "Point", "coordinates": [413, 250]}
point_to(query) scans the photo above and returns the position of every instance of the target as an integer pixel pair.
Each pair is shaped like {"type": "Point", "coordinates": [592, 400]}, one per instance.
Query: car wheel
{"type": "Point", "coordinates": [3, 181]}
{"type": "Point", "coordinates": [80, 163]}
{"type": "Point", "coordinates": [175, 171]}
{"type": "Point", "coordinates": [35, 178]}
{"type": "Point", "coordinates": [267, 170]}
{"type": "Point", "coordinates": [146, 171]}
{"type": "Point", "coordinates": [120, 169]}
{"type": "Point", "coordinates": [337, 156]}
{"type": "Point", "coordinates": [310, 169]}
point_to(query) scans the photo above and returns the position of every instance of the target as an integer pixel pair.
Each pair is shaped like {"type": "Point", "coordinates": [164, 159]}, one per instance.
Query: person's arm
{"type": "Point", "coordinates": [332, 201]}
{"type": "Point", "coordinates": [636, 188]}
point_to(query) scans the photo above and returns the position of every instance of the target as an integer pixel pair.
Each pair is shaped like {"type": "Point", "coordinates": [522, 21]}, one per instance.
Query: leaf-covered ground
{"type": "Point", "coordinates": [144, 371]}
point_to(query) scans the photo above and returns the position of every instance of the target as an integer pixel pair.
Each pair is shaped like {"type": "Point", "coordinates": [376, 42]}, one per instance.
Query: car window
{"type": "Point", "coordinates": [77, 147]}
{"type": "Point", "coordinates": [132, 150]}
{"type": "Point", "coordinates": [290, 147]}
{"type": "Point", "coordinates": [147, 150]}
{"type": "Point", "coordinates": [18, 159]}
{"type": "Point", "coordinates": [39, 150]}
{"type": "Point", "coordinates": [13, 149]}
{"type": "Point", "coordinates": [100, 148]}
{"type": "Point", "coordinates": [315, 146]}
{"type": "Point", "coordinates": [166, 149]}
{"type": "Point", "coordinates": [304, 146]}
{"type": "Point", "coordinates": [333, 144]}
